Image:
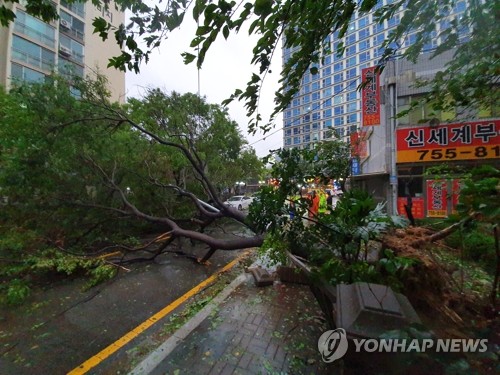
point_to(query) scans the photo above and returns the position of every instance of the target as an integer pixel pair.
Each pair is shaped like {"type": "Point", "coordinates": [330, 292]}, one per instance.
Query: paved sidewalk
{"type": "Point", "coordinates": [268, 330]}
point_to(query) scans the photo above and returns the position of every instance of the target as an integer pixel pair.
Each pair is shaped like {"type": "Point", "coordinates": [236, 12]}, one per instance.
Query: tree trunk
{"type": "Point", "coordinates": [445, 232]}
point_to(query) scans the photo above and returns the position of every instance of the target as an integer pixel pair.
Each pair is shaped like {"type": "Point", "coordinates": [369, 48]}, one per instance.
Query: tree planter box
{"type": "Point", "coordinates": [363, 309]}
{"type": "Point", "coordinates": [293, 275]}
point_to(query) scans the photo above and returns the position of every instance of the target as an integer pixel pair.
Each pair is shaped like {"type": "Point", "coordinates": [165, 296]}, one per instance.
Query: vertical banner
{"type": "Point", "coordinates": [436, 198]}
{"type": "Point", "coordinates": [370, 97]}
{"type": "Point", "coordinates": [359, 145]}
{"type": "Point", "coordinates": [456, 186]}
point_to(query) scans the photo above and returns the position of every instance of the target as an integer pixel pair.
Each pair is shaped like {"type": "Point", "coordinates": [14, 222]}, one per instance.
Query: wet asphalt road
{"type": "Point", "coordinates": [62, 326]}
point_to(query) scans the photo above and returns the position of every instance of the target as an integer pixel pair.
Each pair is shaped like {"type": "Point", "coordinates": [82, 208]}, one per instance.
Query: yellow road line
{"type": "Point", "coordinates": [109, 350]}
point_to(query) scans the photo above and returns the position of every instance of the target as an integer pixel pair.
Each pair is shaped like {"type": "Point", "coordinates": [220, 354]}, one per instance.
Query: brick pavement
{"type": "Point", "coordinates": [268, 330]}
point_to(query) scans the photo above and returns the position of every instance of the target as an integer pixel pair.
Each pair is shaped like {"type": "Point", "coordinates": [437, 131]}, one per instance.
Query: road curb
{"type": "Point", "coordinates": [160, 353]}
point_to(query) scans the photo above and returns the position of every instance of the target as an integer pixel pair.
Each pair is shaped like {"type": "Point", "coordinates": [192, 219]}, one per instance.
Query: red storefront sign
{"type": "Point", "coordinates": [464, 141]}
{"type": "Point", "coordinates": [370, 97]}
{"type": "Point", "coordinates": [417, 207]}
{"type": "Point", "coordinates": [436, 198]}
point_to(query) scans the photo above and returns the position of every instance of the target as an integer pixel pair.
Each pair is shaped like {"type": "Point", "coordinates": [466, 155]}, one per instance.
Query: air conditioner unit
{"type": "Point", "coordinates": [65, 24]}
{"type": "Point", "coordinates": [65, 51]}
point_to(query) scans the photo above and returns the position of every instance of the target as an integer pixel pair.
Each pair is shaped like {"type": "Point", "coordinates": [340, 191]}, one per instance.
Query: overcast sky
{"type": "Point", "coordinates": [226, 68]}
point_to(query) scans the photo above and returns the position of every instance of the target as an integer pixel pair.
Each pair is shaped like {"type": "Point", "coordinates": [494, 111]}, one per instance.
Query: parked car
{"type": "Point", "coordinates": [241, 202]}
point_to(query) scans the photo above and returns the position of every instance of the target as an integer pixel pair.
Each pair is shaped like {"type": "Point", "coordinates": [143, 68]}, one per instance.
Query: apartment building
{"type": "Point", "coordinates": [31, 49]}
{"type": "Point", "coordinates": [329, 100]}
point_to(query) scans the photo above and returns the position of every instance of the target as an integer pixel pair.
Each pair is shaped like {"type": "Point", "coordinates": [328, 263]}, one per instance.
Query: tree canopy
{"type": "Point", "coordinates": [469, 79]}
{"type": "Point", "coordinates": [85, 176]}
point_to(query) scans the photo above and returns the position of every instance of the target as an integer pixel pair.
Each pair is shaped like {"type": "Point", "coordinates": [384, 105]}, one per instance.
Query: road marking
{"type": "Point", "coordinates": [121, 342]}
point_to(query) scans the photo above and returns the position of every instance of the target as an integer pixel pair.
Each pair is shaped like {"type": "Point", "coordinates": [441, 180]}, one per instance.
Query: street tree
{"type": "Point", "coordinates": [470, 79]}
{"type": "Point", "coordinates": [85, 176]}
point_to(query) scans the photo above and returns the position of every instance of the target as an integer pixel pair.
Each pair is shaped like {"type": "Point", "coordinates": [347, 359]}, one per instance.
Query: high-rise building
{"type": "Point", "coordinates": [393, 157]}
{"type": "Point", "coordinates": [31, 49]}
{"type": "Point", "coordinates": [329, 101]}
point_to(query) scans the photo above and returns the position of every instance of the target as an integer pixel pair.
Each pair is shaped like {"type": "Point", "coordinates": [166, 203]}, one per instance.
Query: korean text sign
{"type": "Point", "coordinates": [370, 97]}
{"type": "Point", "coordinates": [464, 141]}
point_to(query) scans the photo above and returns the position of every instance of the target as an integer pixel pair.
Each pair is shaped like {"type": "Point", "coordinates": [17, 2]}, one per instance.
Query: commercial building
{"type": "Point", "coordinates": [31, 49]}
{"type": "Point", "coordinates": [398, 158]}
{"type": "Point", "coordinates": [392, 155]}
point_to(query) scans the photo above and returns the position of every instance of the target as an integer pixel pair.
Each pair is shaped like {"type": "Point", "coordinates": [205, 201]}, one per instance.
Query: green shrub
{"type": "Point", "coordinates": [15, 292]}
{"type": "Point", "coordinates": [481, 248]}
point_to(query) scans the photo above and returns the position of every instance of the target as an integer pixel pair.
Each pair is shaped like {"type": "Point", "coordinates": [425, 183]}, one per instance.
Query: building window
{"type": "Point", "coordinates": [337, 89]}
{"type": "Point", "coordinates": [307, 138]}
{"type": "Point", "coordinates": [327, 103]}
{"type": "Point", "coordinates": [76, 7]}
{"type": "Point", "coordinates": [352, 95]}
{"type": "Point", "coordinates": [306, 99]}
{"type": "Point", "coordinates": [338, 121]}
{"type": "Point", "coordinates": [288, 141]}
{"type": "Point", "coordinates": [410, 40]}
{"type": "Point", "coordinates": [362, 22]}
{"type": "Point", "coordinates": [21, 73]}
{"type": "Point", "coordinates": [315, 86]}
{"type": "Point", "coordinates": [327, 123]}
{"type": "Point", "coordinates": [327, 81]}
{"type": "Point", "coordinates": [32, 54]}
{"type": "Point", "coordinates": [315, 126]}
{"type": "Point", "coordinates": [35, 29]}
{"type": "Point", "coordinates": [315, 95]}
{"type": "Point", "coordinates": [70, 69]}
{"type": "Point", "coordinates": [327, 92]}
{"type": "Point", "coordinates": [351, 50]}
{"type": "Point", "coordinates": [350, 73]}
{"type": "Point", "coordinates": [338, 99]}
{"type": "Point", "coordinates": [351, 61]}
{"type": "Point", "coordinates": [339, 110]}
{"type": "Point", "coordinates": [392, 22]}
{"type": "Point", "coordinates": [296, 140]}
{"type": "Point", "coordinates": [365, 44]}
{"type": "Point", "coordinates": [459, 7]}
{"type": "Point", "coordinates": [351, 39]}
{"type": "Point", "coordinates": [363, 34]}
{"type": "Point", "coordinates": [378, 28]}
{"type": "Point", "coordinates": [327, 113]}
{"type": "Point", "coordinates": [327, 71]}
{"type": "Point", "coordinates": [327, 60]}
{"type": "Point", "coordinates": [316, 116]}
{"type": "Point", "coordinates": [71, 48]}
{"type": "Point", "coordinates": [337, 67]}
{"type": "Point", "coordinates": [337, 78]}
{"type": "Point", "coordinates": [364, 56]}
{"type": "Point", "coordinates": [71, 25]}
{"type": "Point", "coordinates": [378, 40]}
{"type": "Point", "coordinates": [352, 118]}
{"type": "Point", "coordinates": [352, 107]}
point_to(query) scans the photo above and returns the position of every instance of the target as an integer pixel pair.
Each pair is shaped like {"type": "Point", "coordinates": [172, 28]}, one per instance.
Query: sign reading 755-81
{"type": "Point", "coordinates": [463, 141]}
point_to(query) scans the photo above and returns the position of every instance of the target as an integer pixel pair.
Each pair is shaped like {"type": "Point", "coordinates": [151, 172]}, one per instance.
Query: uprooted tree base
{"type": "Point", "coordinates": [437, 288]}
